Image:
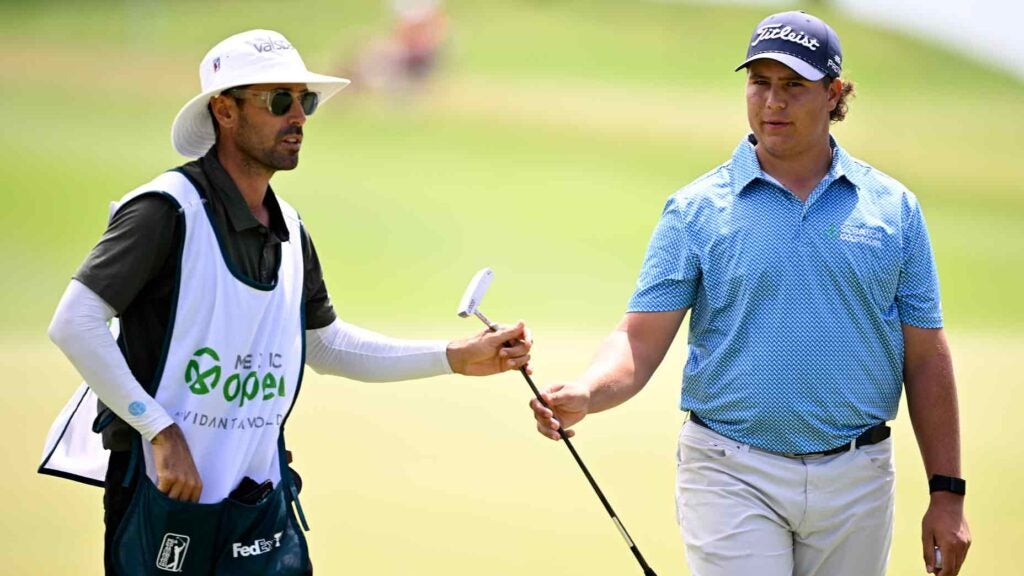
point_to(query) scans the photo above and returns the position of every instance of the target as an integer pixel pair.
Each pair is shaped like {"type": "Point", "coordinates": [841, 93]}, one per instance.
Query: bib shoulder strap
{"type": "Point", "coordinates": [173, 184]}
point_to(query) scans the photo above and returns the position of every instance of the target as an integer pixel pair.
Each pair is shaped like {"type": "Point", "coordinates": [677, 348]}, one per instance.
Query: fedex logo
{"type": "Point", "coordinates": [259, 546]}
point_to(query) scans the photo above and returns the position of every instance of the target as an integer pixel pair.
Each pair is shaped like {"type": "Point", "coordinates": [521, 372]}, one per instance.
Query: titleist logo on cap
{"type": "Point", "coordinates": [772, 31]}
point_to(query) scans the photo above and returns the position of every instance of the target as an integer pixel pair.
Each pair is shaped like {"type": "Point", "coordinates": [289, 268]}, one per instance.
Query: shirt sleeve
{"type": "Point", "coordinates": [131, 251]}
{"type": "Point", "coordinates": [345, 350]}
{"type": "Point", "coordinates": [671, 270]}
{"type": "Point", "coordinates": [79, 328]}
{"type": "Point", "coordinates": [917, 293]}
{"type": "Point", "coordinates": [319, 310]}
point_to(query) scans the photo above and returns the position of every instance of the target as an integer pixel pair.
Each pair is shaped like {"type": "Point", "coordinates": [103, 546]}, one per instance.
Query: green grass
{"type": "Point", "coordinates": [545, 149]}
{"type": "Point", "coordinates": [446, 476]}
{"type": "Point", "coordinates": [561, 126]}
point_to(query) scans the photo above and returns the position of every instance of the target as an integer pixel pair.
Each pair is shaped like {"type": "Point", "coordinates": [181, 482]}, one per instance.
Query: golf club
{"type": "Point", "coordinates": [470, 305]}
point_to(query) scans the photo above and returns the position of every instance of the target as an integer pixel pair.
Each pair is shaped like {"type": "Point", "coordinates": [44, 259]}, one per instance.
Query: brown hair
{"type": "Point", "coordinates": [838, 114]}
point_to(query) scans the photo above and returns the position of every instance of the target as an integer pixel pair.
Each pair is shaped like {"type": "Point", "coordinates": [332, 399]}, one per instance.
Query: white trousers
{"type": "Point", "coordinates": [744, 511]}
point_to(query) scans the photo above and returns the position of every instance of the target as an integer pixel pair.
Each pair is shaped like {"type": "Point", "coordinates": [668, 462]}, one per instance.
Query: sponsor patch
{"type": "Point", "coordinates": [856, 234]}
{"type": "Point", "coordinates": [259, 546]}
{"type": "Point", "coordinates": [171, 556]}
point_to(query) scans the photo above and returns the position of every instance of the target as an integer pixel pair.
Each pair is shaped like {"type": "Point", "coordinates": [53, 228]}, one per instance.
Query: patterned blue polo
{"type": "Point", "coordinates": [795, 341]}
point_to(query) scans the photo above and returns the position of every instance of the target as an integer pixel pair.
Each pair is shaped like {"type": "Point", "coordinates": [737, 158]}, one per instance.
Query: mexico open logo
{"type": "Point", "coordinates": [171, 556]}
{"type": "Point", "coordinates": [203, 375]}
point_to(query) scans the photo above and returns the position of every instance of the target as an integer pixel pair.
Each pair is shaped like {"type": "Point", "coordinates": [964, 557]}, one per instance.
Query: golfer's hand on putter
{"type": "Point", "coordinates": [944, 526]}
{"type": "Point", "coordinates": [491, 352]}
{"type": "Point", "coordinates": [176, 472]}
{"type": "Point", "coordinates": [569, 403]}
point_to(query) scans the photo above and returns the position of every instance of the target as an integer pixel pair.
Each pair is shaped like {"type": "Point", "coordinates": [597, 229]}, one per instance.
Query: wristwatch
{"type": "Point", "coordinates": [940, 483]}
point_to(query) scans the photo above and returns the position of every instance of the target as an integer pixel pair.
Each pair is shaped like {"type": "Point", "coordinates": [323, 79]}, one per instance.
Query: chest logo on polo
{"type": "Point", "coordinates": [856, 234]}
{"type": "Point", "coordinates": [253, 378]}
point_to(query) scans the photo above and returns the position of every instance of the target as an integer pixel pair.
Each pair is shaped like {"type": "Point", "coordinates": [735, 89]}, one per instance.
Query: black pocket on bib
{"type": "Point", "coordinates": [261, 539]}
{"type": "Point", "coordinates": [160, 536]}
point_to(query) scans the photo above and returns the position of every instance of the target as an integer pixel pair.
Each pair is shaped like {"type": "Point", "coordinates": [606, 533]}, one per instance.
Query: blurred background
{"type": "Point", "coordinates": [538, 137]}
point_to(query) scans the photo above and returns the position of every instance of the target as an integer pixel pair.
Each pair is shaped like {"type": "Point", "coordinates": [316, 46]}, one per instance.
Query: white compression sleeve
{"type": "Point", "coordinates": [79, 329]}
{"type": "Point", "coordinates": [345, 350]}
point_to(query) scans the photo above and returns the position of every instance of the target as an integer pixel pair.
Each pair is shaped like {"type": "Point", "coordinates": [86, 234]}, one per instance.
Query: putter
{"type": "Point", "coordinates": [470, 305]}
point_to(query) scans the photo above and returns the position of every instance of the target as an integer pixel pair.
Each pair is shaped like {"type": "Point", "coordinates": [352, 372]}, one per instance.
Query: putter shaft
{"type": "Point", "coordinates": [579, 461]}
{"type": "Point", "coordinates": [593, 484]}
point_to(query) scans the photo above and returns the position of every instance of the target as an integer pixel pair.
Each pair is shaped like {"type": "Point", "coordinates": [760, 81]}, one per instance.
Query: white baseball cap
{"type": "Point", "coordinates": [252, 57]}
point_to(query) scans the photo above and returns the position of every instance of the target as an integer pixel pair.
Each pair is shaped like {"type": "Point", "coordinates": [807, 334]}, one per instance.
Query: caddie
{"type": "Point", "coordinates": [814, 303]}
{"type": "Point", "coordinates": [221, 301]}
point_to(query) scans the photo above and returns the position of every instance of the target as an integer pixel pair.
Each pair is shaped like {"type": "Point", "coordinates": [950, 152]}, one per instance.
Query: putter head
{"type": "Point", "coordinates": [474, 293]}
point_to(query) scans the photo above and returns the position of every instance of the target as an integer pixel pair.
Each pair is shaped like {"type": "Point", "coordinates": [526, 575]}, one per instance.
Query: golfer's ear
{"type": "Point", "coordinates": [224, 110]}
{"type": "Point", "coordinates": [835, 90]}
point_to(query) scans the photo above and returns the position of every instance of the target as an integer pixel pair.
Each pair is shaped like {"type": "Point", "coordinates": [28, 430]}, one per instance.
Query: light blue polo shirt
{"type": "Point", "coordinates": [795, 341]}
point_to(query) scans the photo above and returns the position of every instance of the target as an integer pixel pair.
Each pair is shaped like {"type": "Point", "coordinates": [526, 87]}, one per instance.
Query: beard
{"type": "Point", "coordinates": [267, 154]}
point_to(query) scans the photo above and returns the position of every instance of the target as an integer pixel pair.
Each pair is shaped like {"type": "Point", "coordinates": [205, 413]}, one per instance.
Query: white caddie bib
{"type": "Point", "coordinates": [233, 365]}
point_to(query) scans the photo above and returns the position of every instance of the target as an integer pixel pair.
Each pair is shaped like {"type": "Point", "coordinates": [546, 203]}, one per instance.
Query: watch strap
{"type": "Point", "coordinates": [940, 483]}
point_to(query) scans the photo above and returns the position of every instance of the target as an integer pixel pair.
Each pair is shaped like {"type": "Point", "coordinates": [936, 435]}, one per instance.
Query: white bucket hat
{"type": "Point", "coordinates": [253, 57]}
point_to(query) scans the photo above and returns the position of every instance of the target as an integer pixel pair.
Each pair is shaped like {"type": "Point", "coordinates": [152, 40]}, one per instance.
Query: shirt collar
{"type": "Point", "coordinates": [845, 166]}
{"type": "Point", "coordinates": [746, 168]}
{"type": "Point", "coordinates": [235, 207]}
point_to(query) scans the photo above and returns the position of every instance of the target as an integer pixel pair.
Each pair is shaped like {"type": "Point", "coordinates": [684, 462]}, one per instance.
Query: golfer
{"type": "Point", "coordinates": [815, 301]}
{"type": "Point", "coordinates": [221, 301]}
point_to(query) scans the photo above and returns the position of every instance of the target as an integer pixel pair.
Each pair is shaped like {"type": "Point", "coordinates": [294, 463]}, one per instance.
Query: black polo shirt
{"type": "Point", "coordinates": [134, 265]}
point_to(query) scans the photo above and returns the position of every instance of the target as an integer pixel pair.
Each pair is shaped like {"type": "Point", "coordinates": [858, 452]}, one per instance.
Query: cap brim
{"type": "Point", "coordinates": [192, 131]}
{"type": "Point", "coordinates": [799, 66]}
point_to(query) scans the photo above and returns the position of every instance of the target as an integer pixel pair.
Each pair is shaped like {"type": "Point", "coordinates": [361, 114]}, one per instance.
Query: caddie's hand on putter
{"type": "Point", "coordinates": [176, 472]}
{"type": "Point", "coordinates": [492, 352]}
{"type": "Point", "coordinates": [569, 403]}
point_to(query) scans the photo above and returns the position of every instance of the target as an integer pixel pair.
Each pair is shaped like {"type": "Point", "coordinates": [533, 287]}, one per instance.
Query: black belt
{"type": "Point", "coordinates": [872, 435]}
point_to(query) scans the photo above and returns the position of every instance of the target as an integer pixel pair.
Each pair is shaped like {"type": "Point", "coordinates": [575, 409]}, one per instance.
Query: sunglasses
{"type": "Point", "coordinates": [279, 100]}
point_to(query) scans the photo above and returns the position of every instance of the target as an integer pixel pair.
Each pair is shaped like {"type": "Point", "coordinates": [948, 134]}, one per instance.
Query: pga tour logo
{"type": "Point", "coordinates": [171, 556]}
{"type": "Point", "coordinates": [259, 546]}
